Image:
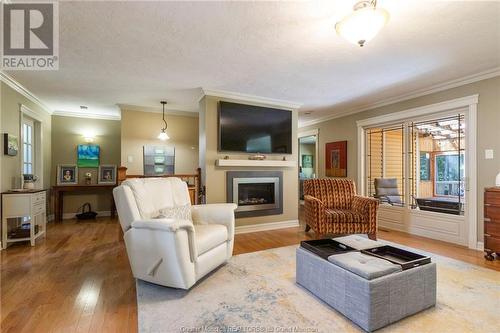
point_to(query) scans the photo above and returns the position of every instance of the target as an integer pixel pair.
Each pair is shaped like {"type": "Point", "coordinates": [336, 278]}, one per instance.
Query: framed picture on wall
{"type": "Point", "coordinates": [107, 174]}
{"type": "Point", "coordinates": [307, 161]}
{"type": "Point", "coordinates": [67, 174]}
{"type": "Point", "coordinates": [336, 159]}
{"type": "Point", "coordinates": [10, 144]}
{"type": "Point", "coordinates": [88, 156]}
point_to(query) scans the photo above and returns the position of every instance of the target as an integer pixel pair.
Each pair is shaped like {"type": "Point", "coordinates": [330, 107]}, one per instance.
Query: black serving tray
{"type": "Point", "coordinates": [405, 259]}
{"type": "Point", "coordinates": [325, 247]}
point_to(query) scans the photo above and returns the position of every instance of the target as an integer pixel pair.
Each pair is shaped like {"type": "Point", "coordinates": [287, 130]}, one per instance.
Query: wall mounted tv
{"type": "Point", "coordinates": [254, 129]}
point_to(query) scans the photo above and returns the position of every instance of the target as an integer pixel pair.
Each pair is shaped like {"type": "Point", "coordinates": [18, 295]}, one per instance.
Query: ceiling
{"type": "Point", "coordinates": [138, 53]}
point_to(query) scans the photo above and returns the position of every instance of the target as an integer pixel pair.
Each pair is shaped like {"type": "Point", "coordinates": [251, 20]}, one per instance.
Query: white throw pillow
{"type": "Point", "coordinates": [177, 212]}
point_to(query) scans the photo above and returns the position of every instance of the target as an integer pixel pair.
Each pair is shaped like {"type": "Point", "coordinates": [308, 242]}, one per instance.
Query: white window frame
{"type": "Point", "coordinates": [32, 160]}
{"type": "Point", "coordinates": [466, 105]}
{"type": "Point", "coordinates": [26, 115]}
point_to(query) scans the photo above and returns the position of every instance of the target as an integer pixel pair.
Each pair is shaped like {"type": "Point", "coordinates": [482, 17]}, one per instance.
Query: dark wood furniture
{"type": "Point", "coordinates": [59, 191]}
{"type": "Point", "coordinates": [492, 222]}
{"type": "Point", "coordinates": [193, 180]}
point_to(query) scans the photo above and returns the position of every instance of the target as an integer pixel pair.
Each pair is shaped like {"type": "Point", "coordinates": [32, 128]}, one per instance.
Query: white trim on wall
{"type": "Point", "coordinates": [24, 91]}
{"type": "Point", "coordinates": [250, 99]}
{"type": "Point", "coordinates": [312, 132]}
{"type": "Point", "coordinates": [484, 75]}
{"type": "Point", "coordinates": [244, 229]}
{"type": "Point", "coordinates": [86, 115]}
{"type": "Point", "coordinates": [467, 105]}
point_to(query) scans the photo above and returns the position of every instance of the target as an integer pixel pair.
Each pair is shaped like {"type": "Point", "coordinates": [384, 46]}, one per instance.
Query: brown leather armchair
{"type": "Point", "coordinates": [332, 207]}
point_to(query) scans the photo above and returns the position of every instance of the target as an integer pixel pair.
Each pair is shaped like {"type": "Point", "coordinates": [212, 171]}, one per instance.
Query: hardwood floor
{"type": "Point", "coordinates": [78, 279]}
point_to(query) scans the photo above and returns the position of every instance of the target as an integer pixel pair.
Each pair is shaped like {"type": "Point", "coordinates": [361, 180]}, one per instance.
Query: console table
{"type": "Point", "coordinates": [59, 191]}
{"type": "Point", "coordinates": [21, 205]}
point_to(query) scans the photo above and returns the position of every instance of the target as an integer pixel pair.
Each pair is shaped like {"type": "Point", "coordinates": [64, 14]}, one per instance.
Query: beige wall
{"type": "Point", "coordinates": [10, 123]}
{"type": "Point", "coordinates": [67, 134]}
{"type": "Point", "coordinates": [215, 179]}
{"type": "Point", "coordinates": [142, 128]}
{"type": "Point", "coordinates": [488, 121]}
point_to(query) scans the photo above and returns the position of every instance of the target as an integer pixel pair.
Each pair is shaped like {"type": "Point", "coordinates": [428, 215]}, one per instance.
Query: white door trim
{"type": "Point", "coordinates": [312, 132]}
{"type": "Point", "coordinates": [467, 105]}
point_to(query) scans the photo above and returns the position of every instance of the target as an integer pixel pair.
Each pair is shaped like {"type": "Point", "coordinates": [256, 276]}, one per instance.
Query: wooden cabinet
{"type": "Point", "coordinates": [23, 209]}
{"type": "Point", "coordinates": [492, 222]}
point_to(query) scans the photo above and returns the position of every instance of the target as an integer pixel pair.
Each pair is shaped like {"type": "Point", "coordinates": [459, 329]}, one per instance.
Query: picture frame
{"type": "Point", "coordinates": [107, 175]}
{"type": "Point", "coordinates": [88, 156]}
{"type": "Point", "coordinates": [10, 144]}
{"type": "Point", "coordinates": [67, 174]}
{"type": "Point", "coordinates": [336, 159]}
{"type": "Point", "coordinates": [307, 161]}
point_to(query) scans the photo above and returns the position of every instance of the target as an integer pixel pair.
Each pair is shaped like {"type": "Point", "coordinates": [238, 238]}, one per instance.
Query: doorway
{"type": "Point", "coordinates": [308, 159]}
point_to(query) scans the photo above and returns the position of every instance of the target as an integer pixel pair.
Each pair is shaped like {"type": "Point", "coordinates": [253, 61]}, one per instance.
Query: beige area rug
{"type": "Point", "coordinates": [256, 292]}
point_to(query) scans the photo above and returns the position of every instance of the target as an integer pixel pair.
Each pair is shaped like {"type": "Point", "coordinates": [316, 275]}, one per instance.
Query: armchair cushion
{"type": "Point", "coordinates": [222, 213]}
{"type": "Point", "coordinates": [177, 212]}
{"type": "Point", "coordinates": [209, 236]}
{"type": "Point", "coordinates": [153, 194]}
{"type": "Point", "coordinates": [343, 216]}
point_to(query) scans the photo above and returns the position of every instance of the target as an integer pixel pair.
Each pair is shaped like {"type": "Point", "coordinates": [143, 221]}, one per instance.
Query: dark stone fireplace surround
{"type": "Point", "coordinates": [240, 212]}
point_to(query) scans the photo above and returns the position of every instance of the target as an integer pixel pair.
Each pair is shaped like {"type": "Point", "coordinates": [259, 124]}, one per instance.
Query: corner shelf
{"type": "Point", "coordinates": [255, 163]}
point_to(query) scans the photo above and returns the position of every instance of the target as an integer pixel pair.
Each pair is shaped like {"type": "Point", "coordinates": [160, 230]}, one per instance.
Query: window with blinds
{"type": "Point", "coordinates": [422, 162]}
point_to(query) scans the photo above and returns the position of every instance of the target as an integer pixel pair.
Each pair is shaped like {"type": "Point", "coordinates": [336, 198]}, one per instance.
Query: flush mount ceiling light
{"type": "Point", "coordinates": [163, 134]}
{"type": "Point", "coordinates": [363, 24]}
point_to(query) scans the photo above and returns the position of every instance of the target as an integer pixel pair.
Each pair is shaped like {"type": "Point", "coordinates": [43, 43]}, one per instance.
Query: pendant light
{"type": "Point", "coordinates": [363, 24]}
{"type": "Point", "coordinates": [163, 134]}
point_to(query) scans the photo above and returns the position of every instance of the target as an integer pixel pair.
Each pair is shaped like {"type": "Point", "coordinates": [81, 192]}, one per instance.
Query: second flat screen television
{"type": "Point", "coordinates": [254, 129]}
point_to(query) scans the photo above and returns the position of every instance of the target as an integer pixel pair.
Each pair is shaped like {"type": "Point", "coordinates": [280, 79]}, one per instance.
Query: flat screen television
{"type": "Point", "coordinates": [254, 129]}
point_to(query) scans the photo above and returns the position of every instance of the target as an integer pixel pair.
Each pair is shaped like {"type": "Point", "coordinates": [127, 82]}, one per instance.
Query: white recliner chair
{"type": "Point", "coordinates": [172, 252]}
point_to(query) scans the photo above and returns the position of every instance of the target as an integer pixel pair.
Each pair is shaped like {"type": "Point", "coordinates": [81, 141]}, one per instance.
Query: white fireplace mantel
{"type": "Point", "coordinates": [255, 163]}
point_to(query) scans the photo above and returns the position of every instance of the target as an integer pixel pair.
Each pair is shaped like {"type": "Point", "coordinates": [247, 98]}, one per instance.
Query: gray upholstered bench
{"type": "Point", "coordinates": [370, 293]}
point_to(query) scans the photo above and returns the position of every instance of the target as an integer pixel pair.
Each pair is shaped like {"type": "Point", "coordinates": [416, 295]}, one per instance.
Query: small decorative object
{"type": "Point", "coordinates": [258, 157]}
{"type": "Point", "coordinates": [284, 158]}
{"type": "Point", "coordinates": [226, 157]}
{"type": "Point", "coordinates": [107, 174]}
{"type": "Point", "coordinates": [29, 181]}
{"type": "Point", "coordinates": [10, 144]}
{"type": "Point", "coordinates": [88, 178]}
{"type": "Point", "coordinates": [88, 156]}
{"type": "Point", "coordinates": [67, 174]}
{"type": "Point", "coordinates": [87, 213]}
{"type": "Point", "coordinates": [336, 159]}
{"type": "Point", "coordinates": [307, 161]}
{"type": "Point", "coordinates": [497, 181]}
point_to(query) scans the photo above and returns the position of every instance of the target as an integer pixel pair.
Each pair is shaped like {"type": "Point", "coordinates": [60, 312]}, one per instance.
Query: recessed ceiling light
{"type": "Point", "coordinates": [308, 112]}
{"type": "Point", "coordinates": [84, 107]}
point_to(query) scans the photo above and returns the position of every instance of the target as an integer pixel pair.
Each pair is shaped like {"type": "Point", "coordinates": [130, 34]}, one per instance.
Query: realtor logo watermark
{"type": "Point", "coordinates": [30, 35]}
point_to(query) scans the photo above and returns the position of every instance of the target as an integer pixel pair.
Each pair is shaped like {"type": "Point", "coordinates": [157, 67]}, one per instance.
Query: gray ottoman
{"type": "Point", "coordinates": [373, 296]}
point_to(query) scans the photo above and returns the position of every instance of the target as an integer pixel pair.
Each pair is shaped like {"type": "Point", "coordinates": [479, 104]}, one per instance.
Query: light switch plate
{"type": "Point", "coordinates": [130, 159]}
{"type": "Point", "coordinates": [488, 154]}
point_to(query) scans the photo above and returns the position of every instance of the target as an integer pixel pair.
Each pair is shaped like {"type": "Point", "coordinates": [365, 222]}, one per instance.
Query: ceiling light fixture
{"type": "Point", "coordinates": [163, 134]}
{"type": "Point", "coordinates": [363, 24]}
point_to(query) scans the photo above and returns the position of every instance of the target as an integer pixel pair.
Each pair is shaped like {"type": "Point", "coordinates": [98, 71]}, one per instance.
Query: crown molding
{"type": "Point", "coordinates": [250, 99]}
{"type": "Point", "coordinates": [11, 82]}
{"type": "Point", "coordinates": [86, 115]}
{"type": "Point", "coordinates": [484, 75]}
{"type": "Point", "coordinates": [177, 110]}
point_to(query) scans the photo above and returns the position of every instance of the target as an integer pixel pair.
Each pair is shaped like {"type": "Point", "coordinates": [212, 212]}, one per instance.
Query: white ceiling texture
{"type": "Point", "coordinates": [138, 53]}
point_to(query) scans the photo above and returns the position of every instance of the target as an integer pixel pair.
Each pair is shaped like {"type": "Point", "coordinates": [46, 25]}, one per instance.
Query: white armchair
{"type": "Point", "coordinates": [168, 251]}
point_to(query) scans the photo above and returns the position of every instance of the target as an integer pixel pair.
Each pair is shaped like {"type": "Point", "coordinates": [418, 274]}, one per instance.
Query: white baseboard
{"type": "Point", "coordinates": [68, 216]}
{"type": "Point", "coordinates": [266, 226]}
{"type": "Point", "coordinates": [480, 246]}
